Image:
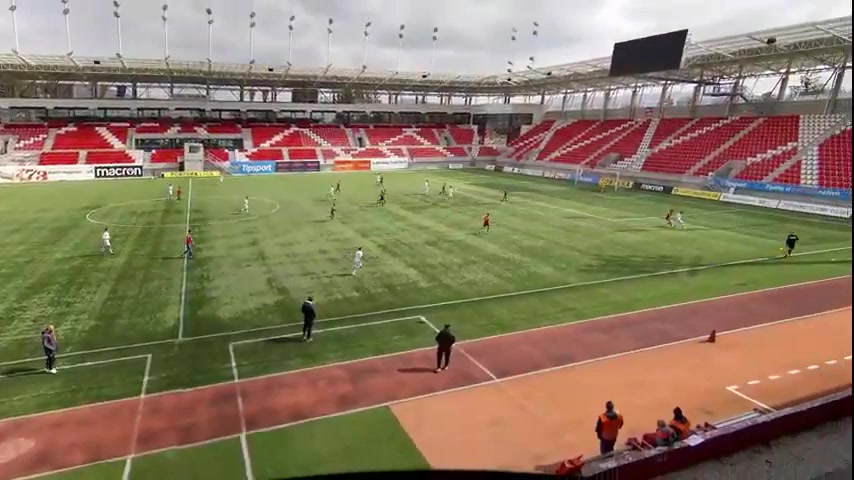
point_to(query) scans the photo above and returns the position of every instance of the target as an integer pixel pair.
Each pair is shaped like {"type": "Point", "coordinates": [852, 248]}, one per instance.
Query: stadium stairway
{"type": "Point", "coordinates": [675, 156]}
{"type": "Point", "coordinates": [532, 138]}
{"type": "Point", "coordinates": [716, 159]}
{"type": "Point", "coordinates": [624, 144]}
{"type": "Point", "coordinates": [563, 135]}
{"type": "Point", "coordinates": [583, 146]}
{"type": "Point", "coordinates": [802, 168]}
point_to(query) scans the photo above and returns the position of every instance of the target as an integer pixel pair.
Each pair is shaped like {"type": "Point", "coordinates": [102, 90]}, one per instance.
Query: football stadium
{"type": "Point", "coordinates": [252, 271]}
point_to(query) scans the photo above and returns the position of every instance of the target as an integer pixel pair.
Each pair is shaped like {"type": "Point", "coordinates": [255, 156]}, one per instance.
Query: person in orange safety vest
{"type": "Point", "coordinates": [608, 427]}
{"type": "Point", "coordinates": [680, 424]}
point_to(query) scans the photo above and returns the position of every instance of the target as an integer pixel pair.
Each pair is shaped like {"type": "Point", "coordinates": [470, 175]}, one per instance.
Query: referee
{"type": "Point", "coordinates": [308, 316]}
{"type": "Point", "coordinates": [444, 342]}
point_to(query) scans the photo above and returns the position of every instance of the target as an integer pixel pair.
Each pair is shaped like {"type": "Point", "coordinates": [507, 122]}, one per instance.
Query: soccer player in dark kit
{"type": "Point", "coordinates": [308, 316]}
{"type": "Point", "coordinates": [444, 342]}
{"type": "Point", "coordinates": [791, 243]}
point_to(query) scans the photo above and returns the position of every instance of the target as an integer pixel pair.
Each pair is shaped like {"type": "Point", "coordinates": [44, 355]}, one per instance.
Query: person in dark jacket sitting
{"type": "Point", "coordinates": [308, 316]}
{"type": "Point", "coordinates": [444, 342]}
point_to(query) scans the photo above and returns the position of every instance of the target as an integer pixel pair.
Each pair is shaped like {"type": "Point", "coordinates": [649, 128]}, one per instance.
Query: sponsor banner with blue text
{"type": "Point", "coordinates": [782, 188]}
{"type": "Point", "coordinates": [252, 168]}
{"type": "Point", "coordinates": [193, 174]}
{"type": "Point", "coordinates": [587, 178]}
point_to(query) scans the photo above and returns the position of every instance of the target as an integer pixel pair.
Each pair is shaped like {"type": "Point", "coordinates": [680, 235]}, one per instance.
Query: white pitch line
{"type": "Point", "coordinates": [773, 377]}
{"type": "Point", "coordinates": [750, 399]}
{"type": "Point", "coordinates": [793, 372]}
{"type": "Point", "coordinates": [244, 445]}
{"type": "Point", "coordinates": [331, 329]}
{"type": "Point", "coordinates": [138, 421]}
{"type": "Point", "coordinates": [490, 297]}
{"type": "Point", "coordinates": [15, 337]}
{"type": "Point", "coordinates": [78, 365]}
{"type": "Point", "coordinates": [182, 308]}
{"type": "Point", "coordinates": [753, 382]}
{"type": "Point", "coordinates": [847, 358]}
{"type": "Point", "coordinates": [813, 367]}
{"type": "Point", "coordinates": [465, 353]}
{"type": "Point", "coordinates": [830, 362]}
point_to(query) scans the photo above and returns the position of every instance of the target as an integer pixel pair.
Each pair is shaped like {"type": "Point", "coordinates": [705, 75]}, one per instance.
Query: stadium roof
{"type": "Point", "coordinates": [807, 46]}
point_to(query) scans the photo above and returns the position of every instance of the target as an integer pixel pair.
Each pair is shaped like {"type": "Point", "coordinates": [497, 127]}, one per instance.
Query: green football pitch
{"type": "Point", "coordinates": [556, 253]}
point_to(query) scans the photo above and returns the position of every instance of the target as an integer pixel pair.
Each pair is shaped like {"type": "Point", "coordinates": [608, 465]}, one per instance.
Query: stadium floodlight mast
{"type": "Point", "coordinates": [291, 38]}
{"type": "Point", "coordinates": [66, 12]}
{"type": "Point", "coordinates": [210, 35]}
{"type": "Point", "coordinates": [513, 35]}
{"type": "Point", "coordinates": [535, 33]}
{"type": "Point", "coordinates": [366, 34]}
{"type": "Point", "coordinates": [116, 5]}
{"type": "Point", "coordinates": [433, 50]}
{"type": "Point", "coordinates": [399, 45]}
{"type": "Point", "coordinates": [252, 37]}
{"type": "Point", "coordinates": [165, 19]}
{"type": "Point", "coordinates": [329, 43]}
{"type": "Point", "coordinates": [12, 9]}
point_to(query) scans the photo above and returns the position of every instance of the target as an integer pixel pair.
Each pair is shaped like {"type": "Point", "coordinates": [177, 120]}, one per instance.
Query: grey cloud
{"type": "Point", "coordinates": [473, 34]}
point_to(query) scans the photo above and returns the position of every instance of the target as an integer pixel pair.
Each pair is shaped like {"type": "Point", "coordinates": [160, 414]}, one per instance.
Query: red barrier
{"type": "Point", "coordinates": [641, 465]}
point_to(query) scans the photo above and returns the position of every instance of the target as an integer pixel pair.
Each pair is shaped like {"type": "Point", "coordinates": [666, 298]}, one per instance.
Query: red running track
{"type": "Point", "coordinates": [94, 433]}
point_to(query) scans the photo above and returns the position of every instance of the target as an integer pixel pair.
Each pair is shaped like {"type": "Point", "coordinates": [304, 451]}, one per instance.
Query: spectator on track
{"type": "Point", "coordinates": [608, 427]}
{"type": "Point", "coordinates": [308, 316]}
{"type": "Point", "coordinates": [50, 347]}
{"type": "Point", "coordinates": [680, 424]}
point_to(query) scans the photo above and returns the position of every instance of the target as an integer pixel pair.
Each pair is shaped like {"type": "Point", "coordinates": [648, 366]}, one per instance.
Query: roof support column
{"type": "Point", "coordinates": [736, 89]}
{"type": "Point", "coordinates": [584, 98]}
{"type": "Point", "coordinates": [134, 90]}
{"type": "Point", "coordinates": [633, 102]}
{"type": "Point", "coordinates": [605, 101]}
{"type": "Point", "coordinates": [543, 97]}
{"type": "Point", "coordinates": [563, 102]}
{"type": "Point", "coordinates": [662, 98]}
{"type": "Point", "coordinates": [830, 106]}
{"type": "Point", "coordinates": [695, 97]}
{"type": "Point", "coordinates": [784, 82]}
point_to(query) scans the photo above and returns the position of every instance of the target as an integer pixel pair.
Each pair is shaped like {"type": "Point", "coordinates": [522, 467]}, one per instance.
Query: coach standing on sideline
{"type": "Point", "coordinates": [444, 342]}
{"type": "Point", "coordinates": [50, 346]}
{"type": "Point", "coordinates": [308, 316]}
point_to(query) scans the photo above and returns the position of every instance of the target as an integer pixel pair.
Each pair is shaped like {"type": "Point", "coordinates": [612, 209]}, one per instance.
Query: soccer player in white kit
{"type": "Point", "coordinates": [450, 191]}
{"type": "Point", "coordinates": [426, 187]}
{"type": "Point", "coordinates": [357, 260]}
{"type": "Point", "coordinates": [679, 221]}
{"type": "Point", "coordinates": [245, 205]}
{"type": "Point", "coordinates": [105, 238]}
{"type": "Point", "coordinates": [169, 191]}
{"type": "Point", "coordinates": [331, 194]}
{"type": "Point", "coordinates": [221, 178]}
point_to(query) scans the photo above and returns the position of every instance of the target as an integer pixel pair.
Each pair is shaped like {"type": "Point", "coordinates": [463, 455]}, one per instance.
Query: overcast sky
{"type": "Point", "coordinates": [474, 35]}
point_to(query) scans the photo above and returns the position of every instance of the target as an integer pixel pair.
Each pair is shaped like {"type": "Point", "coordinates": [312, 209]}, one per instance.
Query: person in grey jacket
{"type": "Point", "coordinates": [50, 347]}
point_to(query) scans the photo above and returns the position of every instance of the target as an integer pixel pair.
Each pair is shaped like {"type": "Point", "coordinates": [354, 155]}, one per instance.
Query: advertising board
{"type": "Point", "coordinates": [118, 171]}
{"type": "Point", "coordinates": [455, 166]}
{"type": "Point", "coordinates": [783, 188]}
{"type": "Point", "coordinates": [582, 177]}
{"type": "Point", "coordinates": [652, 187]}
{"type": "Point", "coordinates": [195, 174]}
{"type": "Point", "coordinates": [46, 173]}
{"type": "Point", "coordinates": [531, 172]}
{"type": "Point", "coordinates": [252, 168]}
{"type": "Point", "coordinates": [690, 192]}
{"type": "Point", "coordinates": [389, 164]}
{"type": "Point", "coordinates": [295, 166]}
{"type": "Point", "coordinates": [612, 181]}
{"type": "Point", "coordinates": [351, 165]}
{"type": "Point", "coordinates": [490, 167]}
{"type": "Point", "coordinates": [748, 200]}
{"type": "Point", "coordinates": [826, 210]}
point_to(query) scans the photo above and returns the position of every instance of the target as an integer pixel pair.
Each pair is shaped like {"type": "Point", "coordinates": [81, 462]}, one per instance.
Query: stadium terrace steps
{"type": "Point", "coordinates": [643, 147]}
{"type": "Point", "coordinates": [578, 150]}
{"type": "Point", "coordinates": [108, 157]}
{"type": "Point", "coordinates": [462, 136]}
{"type": "Point", "coordinates": [562, 135]}
{"type": "Point", "coordinates": [27, 137]}
{"type": "Point", "coordinates": [624, 144]}
{"type": "Point", "coordinates": [60, 158]}
{"type": "Point", "coordinates": [814, 130]}
{"type": "Point", "coordinates": [757, 170]}
{"type": "Point", "coordinates": [678, 155]}
{"type": "Point", "coordinates": [834, 160]}
{"type": "Point", "coordinates": [716, 158]}
{"type": "Point", "coordinates": [301, 153]}
{"type": "Point", "coordinates": [532, 138]}
{"type": "Point", "coordinates": [166, 155]}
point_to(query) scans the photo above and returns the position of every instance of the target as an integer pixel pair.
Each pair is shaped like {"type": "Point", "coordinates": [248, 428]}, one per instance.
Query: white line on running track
{"type": "Point", "coordinates": [465, 353]}
{"type": "Point", "coordinates": [183, 306]}
{"type": "Point", "coordinates": [244, 445]}
{"type": "Point", "coordinates": [750, 399]}
{"type": "Point", "coordinates": [489, 297]}
{"type": "Point", "coordinates": [417, 397]}
{"type": "Point", "coordinates": [138, 421]}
